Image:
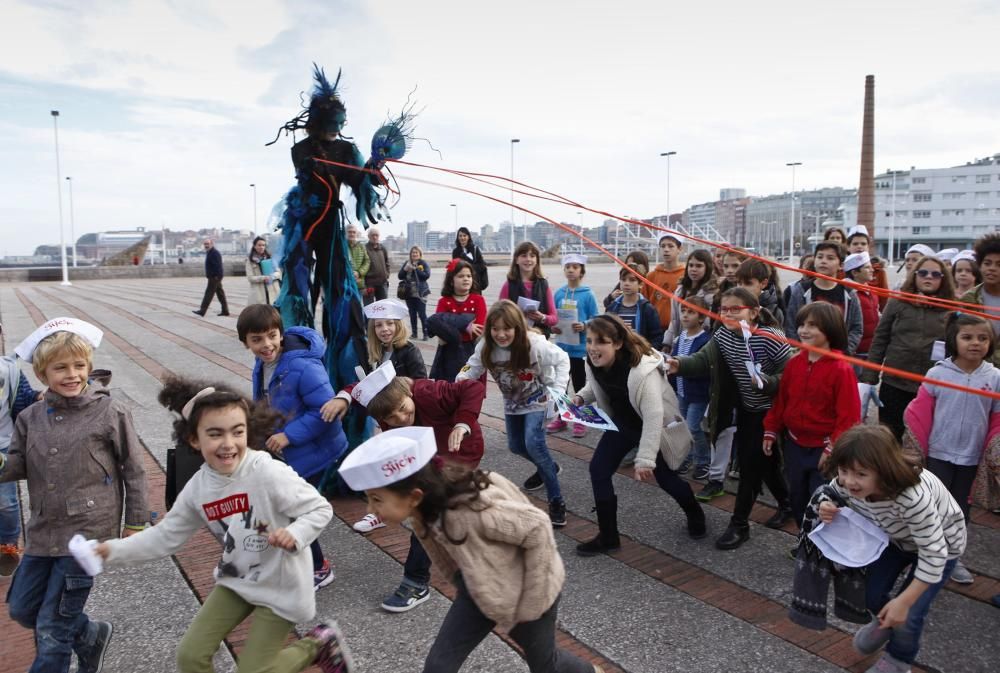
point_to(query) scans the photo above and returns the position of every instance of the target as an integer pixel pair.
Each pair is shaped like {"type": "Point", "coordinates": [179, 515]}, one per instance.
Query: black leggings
{"type": "Point", "coordinates": [894, 401]}
{"type": "Point", "coordinates": [958, 479]}
{"type": "Point", "coordinates": [577, 374]}
{"type": "Point", "coordinates": [755, 467]}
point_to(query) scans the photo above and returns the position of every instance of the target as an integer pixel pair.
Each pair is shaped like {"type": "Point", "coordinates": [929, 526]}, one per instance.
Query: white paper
{"type": "Point", "coordinates": [567, 316]}
{"type": "Point", "coordinates": [937, 351]}
{"type": "Point", "coordinates": [850, 539]}
{"type": "Point", "coordinates": [83, 551]}
{"type": "Point", "coordinates": [527, 306]}
{"type": "Point", "coordinates": [754, 371]}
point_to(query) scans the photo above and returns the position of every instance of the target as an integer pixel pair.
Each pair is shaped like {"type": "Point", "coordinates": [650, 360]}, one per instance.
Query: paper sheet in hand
{"type": "Point", "coordinates": [589, 415]}
{"type": "Point", "coordinates": [754, 371]}
{"type": "Point", "coordinates": [866, 390]}
{"type": "Point", "coordinates": [850, 539]}
{"type": "Point", "coordinates": [567, 316]}
{"type": "Point", "coordinates": [938, 351]}
{"type": "Point", "coordinates": [84, 554]}
{"type": "Point", "coordinates": [527, 306]}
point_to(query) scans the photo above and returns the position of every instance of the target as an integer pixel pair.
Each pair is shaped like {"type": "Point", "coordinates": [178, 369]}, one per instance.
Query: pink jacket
{"type": "Point", "coordinates": [919, 417]}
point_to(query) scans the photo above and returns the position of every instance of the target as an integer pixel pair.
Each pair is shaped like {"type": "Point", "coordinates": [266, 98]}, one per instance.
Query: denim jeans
{"type": "Point", "coordinates": [10, 511]}
{"type": "Point", "coordinates": [694, 413]}
{"type": "Point", "coordinates": [882, 575]}
{"type": "Point", "coordinates": [47, 595]}
{"type": "Point", "coordinates": [417, 569]}
{"type": "Point", "coordinates": [465, 626]}
{"type": "Point", "coordinates": [526, 438]}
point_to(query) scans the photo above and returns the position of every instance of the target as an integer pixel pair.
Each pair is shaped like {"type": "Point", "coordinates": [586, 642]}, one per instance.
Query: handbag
{"type": "Point", "coordinates": [401, 291]}
{"type": "Point", "coordinates": [675, 442]}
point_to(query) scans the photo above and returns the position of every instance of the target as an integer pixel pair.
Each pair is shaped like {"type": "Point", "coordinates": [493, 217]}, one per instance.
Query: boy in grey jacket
{"type": "Point", "coordinates": [83, 461]}
{"type": "Point", "coordinates": [829, 260]}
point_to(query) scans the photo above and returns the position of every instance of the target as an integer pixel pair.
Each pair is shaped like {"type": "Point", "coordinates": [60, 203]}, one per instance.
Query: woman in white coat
{"type": "Point", "coordinates": [262, 274]}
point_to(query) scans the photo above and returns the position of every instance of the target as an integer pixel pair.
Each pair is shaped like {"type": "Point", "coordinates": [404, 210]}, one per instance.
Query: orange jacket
{"type": "Point", "coordinates": [668, 280]}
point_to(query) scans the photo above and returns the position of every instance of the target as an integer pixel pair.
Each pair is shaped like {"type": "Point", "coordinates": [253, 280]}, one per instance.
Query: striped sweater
{"type": "Point", "coordinates": [924, 519]}
{"type": "Point", "coordinates": [766, 352]}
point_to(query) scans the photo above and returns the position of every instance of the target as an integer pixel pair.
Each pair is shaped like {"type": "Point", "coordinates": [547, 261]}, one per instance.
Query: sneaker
{"type": "Point", "coordinates": [685, 466]}
{"type": "Point", "coordinates": [889, 664]}
{"type": "Point", "coordinates": [961, 574]}
{"type": "Point", "coordinates": [535, 481]}
{"type": "Point", "coordinates": [700, 473]}
{"type": "Point", "coordinates": [369, 523]}
{"type": "Point", "coordinates": [93, 662]}
{"type": "Point", "coordinates": [734, 473]}
{"type": "Point", "coordinates": [406, 597]}
{"type": "Point", "coordinates": [333, 655]}
{"type": "Point", "coordinates": [556, 425]}
{"type": "Point", "coordinates": [323, 576]}
{"type": "Point", "coordinates": [10, 556]}
{"type": "Point", "coordinates": [871, 638]}
{"type": "Point", "coordinates": [557, 513]}
{"type": "Point", "coordinates": [629, 459]}
{"type": "Point", "coordinates": [579, 430]}
{"type": "Point", "coordinates": [713, 489]}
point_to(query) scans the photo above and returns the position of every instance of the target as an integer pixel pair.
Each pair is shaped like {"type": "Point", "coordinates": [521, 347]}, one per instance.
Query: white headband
{"type": "Point", "coordinates": [189, 407]}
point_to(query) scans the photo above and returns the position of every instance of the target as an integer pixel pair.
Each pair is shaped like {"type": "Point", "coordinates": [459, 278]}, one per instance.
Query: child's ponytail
{"type": "Point", "coordinates": [764, 317]}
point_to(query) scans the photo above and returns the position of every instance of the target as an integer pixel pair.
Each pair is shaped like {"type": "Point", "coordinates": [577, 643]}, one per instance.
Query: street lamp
{"type": "Point", "coordinates": [512, 142]}
{"type": "Point", "coordinates": [455, 206]}
{"type": "Point", "coordinates": [791, 223]}
{"type": "Point", "coordinates": [580, 240]}
{"type": "Point", "coordinates": [62, 233]}
{"type": "Point", "coordinates": [253, 186]}
{"type": "Point", "coordinates": [668, 155]}
{"type": "Point", "coordinates": [72, 223]}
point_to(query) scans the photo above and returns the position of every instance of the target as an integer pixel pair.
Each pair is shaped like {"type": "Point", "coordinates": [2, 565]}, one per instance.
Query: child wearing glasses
{"type": "Point", "coordinates": [905, 336]}
{"type": "Point", "coordinates": [744, 359]}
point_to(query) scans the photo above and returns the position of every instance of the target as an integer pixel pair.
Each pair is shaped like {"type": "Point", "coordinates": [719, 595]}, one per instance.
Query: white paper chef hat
{"type": "Point", "coordinates": [947, 255]}
{"type": "Point", "coordinates": [858, 229]}
{"type": "Point", "coordinates": [371, 385]}
{"type": "Point", "coordinates": [921, 248]}
{"type": "Point", "coordinates": [574, 258]}
{"type": "Point", "coordinates": [856, 261]}
{"type": "Point", "coordinates": [26, 349]}
{"type": "Point", "coordinates": [676, 238]}
{"type": "Point", "coordinates": [389, 457]}
{"type": "Point", "coordinates": [965, 254]}
{"type": "Point", "coordinates": [386, 309]}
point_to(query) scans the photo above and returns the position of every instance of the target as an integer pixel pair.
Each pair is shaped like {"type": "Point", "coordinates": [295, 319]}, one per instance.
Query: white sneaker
{"type": "Point", "coordinates": [368, 524]}
{"type": "Point", "coordinates": [961, 574]}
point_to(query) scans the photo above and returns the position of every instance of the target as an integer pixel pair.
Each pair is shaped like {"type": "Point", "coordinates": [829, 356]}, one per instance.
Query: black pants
{"type": "Point", "coordinates": [802, 473]}
{"type": "Point", "coordinates": [314, 549]}
{"type": "Point", "coordinates": [417, 568]}
{"type": "Point", "coordinates": [958, 479]}
{"type": "Point", "coordinates": [214, 287]}
{"type": "Point", "coordinates": [465, 626]}
{"type": "Point", "coordinates": [755, 467]}
{"type": "Point", "coordinates": [894, 401]}
{"type": "Point", "coordinates": [418, 309]}
{"type": "Point", "coordinates": [378, 292]}
{"type": "Point", "coordinates": [577, 374]}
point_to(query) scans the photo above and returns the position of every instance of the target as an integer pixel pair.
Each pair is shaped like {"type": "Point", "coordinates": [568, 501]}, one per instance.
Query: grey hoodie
{"type": "Point", "coordinates": [961, 420]}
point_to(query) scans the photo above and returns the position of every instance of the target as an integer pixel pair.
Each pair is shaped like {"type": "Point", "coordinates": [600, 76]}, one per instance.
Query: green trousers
{"type": "Point", "coordinates": [264, 650]}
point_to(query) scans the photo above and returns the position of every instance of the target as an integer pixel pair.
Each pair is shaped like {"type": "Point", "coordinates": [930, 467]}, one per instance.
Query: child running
{"type": "Point", "coordinates": [954, 427]}
{"type": "Point", "coordinates": [452, 411]}
{"type": "Point", "coordinates": [729, 359]}
{"type": "Point", "coordinates": [389, 339]}
{"type": "Point", "coordinates": [627, 378]}
{"type": "Point", "coordinates": [575, 297]}
{"type": "Point", "coordinates": [816, 402]}
{"type": "Point", "coordinates": [484, 534]}
{"type": "Point", "coordinates": [926, 530]}
{"type": "Point", "coordinates": [525, 366]}
{"type": "Point", "coordinates": [525, 279]}
{"type": "Point", "coordinates": [458, 322]}
{"type": "Point", "coordinates": [88, 473]}
{"type": "Point", "coordinates": [270, 515]}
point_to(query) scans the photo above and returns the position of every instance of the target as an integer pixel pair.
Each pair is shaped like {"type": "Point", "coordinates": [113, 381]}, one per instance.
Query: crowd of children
{"type": "Point", "coordinates": [691, 362]}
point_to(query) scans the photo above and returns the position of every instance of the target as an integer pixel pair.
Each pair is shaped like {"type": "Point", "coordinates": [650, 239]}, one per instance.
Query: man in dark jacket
{"type": "Point", "coordinates": [377, 278]}
{"type": "Point", "coordinates": [213, 272]}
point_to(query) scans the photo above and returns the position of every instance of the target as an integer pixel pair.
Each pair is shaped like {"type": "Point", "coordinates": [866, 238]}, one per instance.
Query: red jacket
{"type": "Point", "coordinates": [474, 304]}
{"type": "Point", "coordinates": [869, 318]}
{"type": "Point", "coordinates": [815, 401]}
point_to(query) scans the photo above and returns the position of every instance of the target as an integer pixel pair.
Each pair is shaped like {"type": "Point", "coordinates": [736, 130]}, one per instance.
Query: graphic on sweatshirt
{"type": "Point", "coordinates": [243, 535]}
{"type": "Point", "coordinates": [522, 391]}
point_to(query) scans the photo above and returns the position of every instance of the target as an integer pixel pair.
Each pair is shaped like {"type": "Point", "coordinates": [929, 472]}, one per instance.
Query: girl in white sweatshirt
{"type": "Point", "coordinates": [270, 515]}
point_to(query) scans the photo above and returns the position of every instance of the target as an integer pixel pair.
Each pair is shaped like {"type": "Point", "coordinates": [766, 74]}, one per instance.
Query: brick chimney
{"type": "Point", "coordinates": [866, 187]}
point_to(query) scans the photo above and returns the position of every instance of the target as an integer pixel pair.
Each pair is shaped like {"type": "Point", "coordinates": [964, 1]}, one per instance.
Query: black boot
{"type": "Point", "coordinates": [736, 534]}
{"type": "Point", "coordinates": [697, 529]}
{"type": "Point", "coordinates": [607, 539]}
{"type": "Point", "coordinates": [782, 515]}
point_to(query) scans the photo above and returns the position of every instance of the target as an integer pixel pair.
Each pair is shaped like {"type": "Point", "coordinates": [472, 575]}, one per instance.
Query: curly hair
{"type": "Point", "coordinates": [988, 244]}
{"type": "Point", "coordinates": [441, 485]}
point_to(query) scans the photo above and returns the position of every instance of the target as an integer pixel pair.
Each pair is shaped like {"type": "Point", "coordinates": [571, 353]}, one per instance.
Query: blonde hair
{"type": "Point", "coordinates": [375, 348]}
{"type": "Point", "coordinates": [57, 345]}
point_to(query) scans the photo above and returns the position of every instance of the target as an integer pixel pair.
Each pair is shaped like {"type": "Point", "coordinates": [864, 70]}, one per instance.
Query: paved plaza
{"type": "Point", "coordinates": [663, 604]}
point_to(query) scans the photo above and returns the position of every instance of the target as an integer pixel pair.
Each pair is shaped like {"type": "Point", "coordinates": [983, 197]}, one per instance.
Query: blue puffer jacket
{"type": "Point", "coordinates": [299, 387]}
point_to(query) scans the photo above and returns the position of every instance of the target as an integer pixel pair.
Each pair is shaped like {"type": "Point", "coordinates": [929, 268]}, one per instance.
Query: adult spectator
{"type": "Point", "coordinates": [414, 289]}
{"type": "Point", "coordinates": [469, 252]}
{"type": "Point", "coordinates": [213, 272]}
{"type": "Point", "coordinates": [987, 293]}
{"type": "Point", "coordinates": [262, 274]}
{"type": "Point", "coordinates": [358, 254]}
{"type": "Point", "coordinates": [377, 278]}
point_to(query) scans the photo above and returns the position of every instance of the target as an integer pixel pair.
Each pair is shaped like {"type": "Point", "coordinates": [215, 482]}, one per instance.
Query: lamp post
{"type": "Point", "coordinates": [253, 186]}
{"type": "Point", "coordinates": [62, 232]}
{"type": "Point", "coordinates": [72, 223]}
{"type": "Point", "coordinates": [668, 155]}
{"type": "Point", "coordinates": [892, 224]}
{"type": "Point", "coordinates": [455, 206]}
{"type": "Point", "coordinates": [512, 142]}
{"type": "Point", "coordinates": [791, 223]}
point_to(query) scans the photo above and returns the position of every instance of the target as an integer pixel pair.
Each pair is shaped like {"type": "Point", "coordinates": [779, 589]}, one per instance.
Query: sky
{"type": "Point", "coordinates": [166, 106]}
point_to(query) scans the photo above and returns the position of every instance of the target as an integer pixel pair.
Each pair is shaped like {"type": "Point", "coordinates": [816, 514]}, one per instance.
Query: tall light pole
{"type": "Point", "coordinates": [668, 155]}
{"type": "Point", "coordinates": [253, 186]}
{"type": "Point", "coordinates": [455, 206]}
{"type": "Point", "coordinates": [791, 223]}
{"type": "Point", "coordinates": [892, 224]}
{"type": "Point", "coordinates": [62, 232]}
{"type": "Point", "coordinates": [579, 241]}
{"type": "Point", "coordinates": [512, 142]}
{"type": "Point", "coordinates": [72, 223]}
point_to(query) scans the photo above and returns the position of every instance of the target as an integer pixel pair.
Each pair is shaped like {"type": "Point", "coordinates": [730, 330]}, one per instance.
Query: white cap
{"type": "Point", "coordinates": [386, 309]}
{"type": "Point", "coordinates": [574, 258]}
{"type": "Point", "coordinates": [921, 248]}
{"type": "Point", "coordinates": [858, 229]}
{"type": "Point", "coordinates": [675, 237]}
{"type": "Point", "coordinates": [26, 349]}
{"type": "Point", "coordinates": [388, 457]}
{"type": "Point", "coordinates": [371, 385]}
{"type": "Point", "coordinates": [947, 254]}
{"type": "Point", "coordinates": [965, 254]}
{"type": "Point", "coordinates": [856, 261]}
